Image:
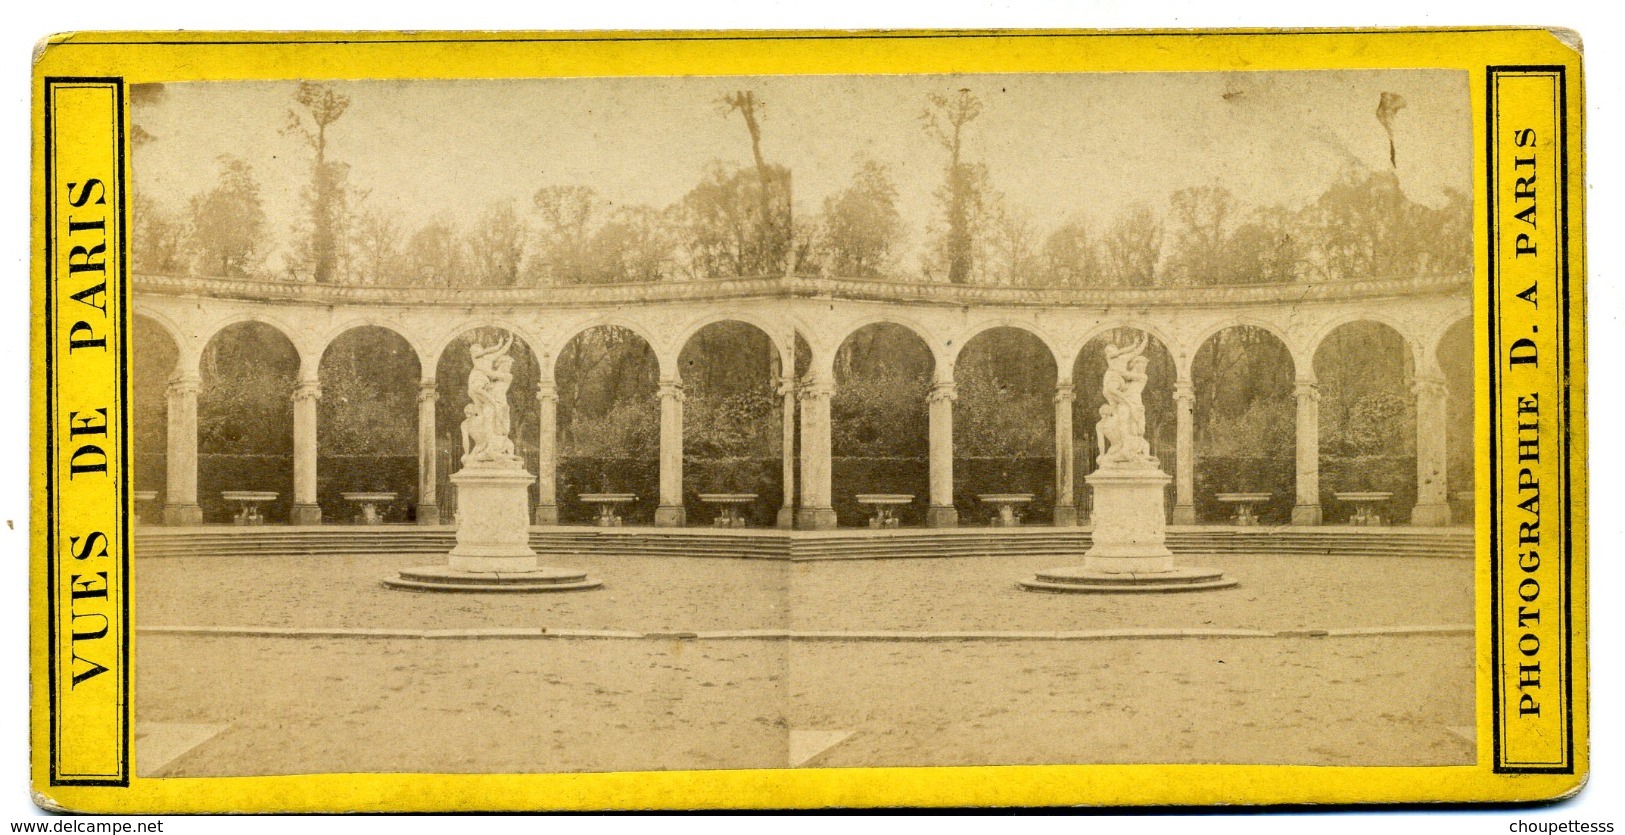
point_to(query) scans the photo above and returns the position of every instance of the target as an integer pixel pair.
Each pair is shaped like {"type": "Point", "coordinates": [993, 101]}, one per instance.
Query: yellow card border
{"type": "Point", "coordinates": [197, 56]}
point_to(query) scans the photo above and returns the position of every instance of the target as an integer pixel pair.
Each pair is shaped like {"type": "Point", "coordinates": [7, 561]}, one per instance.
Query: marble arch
{"type": "Point", "coordinates": [1415, 346]}
{"type": "Point", "coordinates": [824, 350]}
{"type": "Point", "coordinates": [334, 334]}
{"type": "Point", "coordinates": [1185, 360]}
{"type": "Point", "coordinates": [979, 328]}
{"type": "Point", "coordinates": [301, 340]}
{"type": "Point", "coordinates": [569, 332]}
{"type": "Point", "coordinates": [824, 311]}
{"type": "Point", "coordinates": [773, 329]}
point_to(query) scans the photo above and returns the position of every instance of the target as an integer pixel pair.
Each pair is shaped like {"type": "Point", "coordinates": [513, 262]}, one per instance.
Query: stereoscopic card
{"type": "Point", "coordinates": [589, 421]}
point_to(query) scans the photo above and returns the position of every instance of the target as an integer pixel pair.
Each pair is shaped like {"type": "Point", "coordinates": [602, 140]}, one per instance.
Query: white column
{"type": "Point", "coordinates": [1184, 453]}
{"type": "Point", "coordinates": [787, 399]}
{"type": "Point", "coordinates": [305, 511]}
{"type": "Point", "coordinates": [942, 513]}
{"type": "Point", "coordinates": [1066, 509]}
{"type": "Point", "coordinates": [547, 453]}
{"type": "Point", "coordinates": [428, 511]}
{"type": "Point", "coordinates": [1306, 511]}
{"type": "Point", "coordinates": [817, 510]}
{"type": "Point", "coordinates": [180, 500]}
{"type": "Point", "coordinates": [670, 513]}
{"type": "Point", "coordinates": [1432, 499]}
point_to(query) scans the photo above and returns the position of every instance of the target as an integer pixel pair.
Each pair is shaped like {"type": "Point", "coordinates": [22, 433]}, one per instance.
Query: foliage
{"type": "Point", "coordinates": [861, 228]}
{"type": "Point", "coordinates": [159, 241]}
{"type": "Point", "coordinates": [607, 406]}
{"type": "Point", "coordinates": [369, 380]}
{"type": "Point", "coordinates": [1245, 402]}
{"type": "Point", "coordinates": [376, 248]}
{"type": "Point", "coordinates": [738, 221]}
{"type": "Point", "coordinates": [964, 184]}
{"type": "Point", "coordinates": [320, 239]}
{"type": "Point", "coordinates": [227, 222]}
{"type": "Point", "coordinates": [1070, 256]}
{"type": "Point", "coordinates": [580, 240]}
{"type": "Point", "coordinates": [434, 255]}
{"type": "Point", "coordinates": [717, 224]}
{"type": "Point", "coordinates": [1132, 248]}
{"type": "Point", "coordinates": [496, 246]}
{"type": "Point", "coordinates": [244, 404]}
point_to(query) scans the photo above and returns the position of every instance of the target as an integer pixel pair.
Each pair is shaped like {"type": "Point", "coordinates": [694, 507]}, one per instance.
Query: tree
{"type": "Point", "coordinates": [564, 235]}
{"type": "Point", "coordinates": [1364, 227]}
{"type": "Point", "coordinates": [717, 225]}
{"type": "Point", "coordinates": [633, 246]}
{"type": "Point", "coordinates": [773, 218]}
{"type": "Point", "coordinates": [961, 193]}
{"type": "Point", "coordinates": [1069, 256]}
{"type": "Point", "coordinates": [376, 245]}
{"type": "Point", "coordinates": [572, 245]}
{"type": "Point", "coordinates": [1012, 247]}
{"type": "Point", "coordinates": [1202, 217]}
{"type": "Point", "coordinates": [321, 237]}
{"type": "Point", "coordinates": [860, 227]}
{"type": "Point", "coordinates": [158, 243]}
{"type": "Point", "coordinates": [434, 254]}
{"type": "Point", "coordinates": [496, 245]}
{"type": "Point", "coordinates": [1132, 247]}
{"type": "Point", "coordinates": [228, 221]}
{"type": "Point", "coordinates": [1268, 248]}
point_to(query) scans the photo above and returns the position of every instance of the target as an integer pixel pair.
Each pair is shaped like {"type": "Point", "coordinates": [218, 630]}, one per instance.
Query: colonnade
{"type": "Point", "coordinates": [811, 506]}
{"type": "Point", "coordinates": [823, 313]}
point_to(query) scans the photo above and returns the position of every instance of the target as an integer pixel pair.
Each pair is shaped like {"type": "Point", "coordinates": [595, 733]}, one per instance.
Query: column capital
{"type": "Point", "coordinates": [1431, 387]}
{"type": "Point", "coordinates": [547, 390]}
{"type": "Point", "coordinates": [672, 389]}
{"type": "Point", "coordinates": [307, 390]}
{"type": "Point", "coordinates": [428, 392]}
{"type": "Point", "coordinates": [1307, 389]}
{"type": "Point", "coordinates": [1184, 391]}
{"type": "Point", "coordinates": [943, 391]}
{"type": "Point", "coordinates": [814, 388]}
{"type": "Point", "coordinates": [784, 386]}
{"type": "Point", "coordinates": [184, 385]}
{"type": "Point", "coordinates": [1065, 392]}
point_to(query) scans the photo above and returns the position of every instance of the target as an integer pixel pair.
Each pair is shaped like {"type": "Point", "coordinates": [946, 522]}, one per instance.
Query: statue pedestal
{"type": "Point", "coordinates": [493, 520]}
{"type": "Point", "coordinates": [1128, 554]}
{"type": "Point", "coordinates": [493, 541]}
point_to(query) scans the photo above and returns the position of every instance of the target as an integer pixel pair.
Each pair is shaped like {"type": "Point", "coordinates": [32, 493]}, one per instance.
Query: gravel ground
{"type": "Point", "coordinates": [299, 705]}
{"type": "Point", "coordinates": [671, 594]}
{"type": "Point", "coordinates": [382, 705]}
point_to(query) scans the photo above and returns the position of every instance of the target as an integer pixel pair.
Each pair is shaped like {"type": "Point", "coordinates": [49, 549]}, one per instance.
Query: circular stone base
{"type": "Point", "coordinates": [441, 578]}
{"type": "Point", "coordinates": [1082, 580]}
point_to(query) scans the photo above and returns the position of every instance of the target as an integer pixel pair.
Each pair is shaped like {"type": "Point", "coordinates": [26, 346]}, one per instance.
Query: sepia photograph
{"type": "Point", "coordinates": [619, 424]}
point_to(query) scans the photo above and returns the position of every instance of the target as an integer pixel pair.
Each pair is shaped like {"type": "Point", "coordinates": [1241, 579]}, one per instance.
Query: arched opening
{"type": "Point", "coordinates": [1367, 419]}
{"type": "Point", "coordinates": [1004, 423]}
{"type": "Point", "coordinates": [451, 390]}
{"type": "Point", "coordinates": [366, 435]}
{"type": "Point", "coordinates": [733, 422]}
{"type": "Point", "coordinates": [1245, 423]}
{"type": "Point", "coordinates": [1461, 465]}
{"type": "Point", "coordinates": [153, 359]}
{"type": "Point", "coordinates": [879, 427]}
{"type": "Point", "coordinates": [609, 422]}
{"type": "Point", "coordinates": [1158, 396]}
{"type": "Point", "coordinates": [245, 419]}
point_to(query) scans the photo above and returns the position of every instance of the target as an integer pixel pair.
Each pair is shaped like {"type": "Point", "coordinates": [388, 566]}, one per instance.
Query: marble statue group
{"type": "Point", "coordinates": [1120, 433]}
{"type": "Point", "coordinates": [486, 419]}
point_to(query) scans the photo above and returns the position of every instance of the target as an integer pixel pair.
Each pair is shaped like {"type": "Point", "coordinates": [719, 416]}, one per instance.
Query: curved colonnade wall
{"type": "Point", "coordinates": [823, 313]}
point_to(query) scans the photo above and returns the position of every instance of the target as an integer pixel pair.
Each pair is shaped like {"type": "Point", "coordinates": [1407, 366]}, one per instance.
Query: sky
{"type": "Point", "coordinates": [1059, 146]}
